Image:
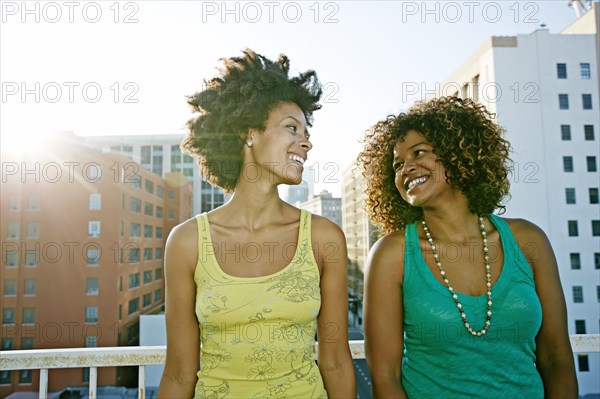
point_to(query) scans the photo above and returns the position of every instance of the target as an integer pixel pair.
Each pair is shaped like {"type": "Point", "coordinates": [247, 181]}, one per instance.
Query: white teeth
{"type": "Point", "coordinates": [414, 182]}
{"type": "Point", "coordinates": [295, 157]}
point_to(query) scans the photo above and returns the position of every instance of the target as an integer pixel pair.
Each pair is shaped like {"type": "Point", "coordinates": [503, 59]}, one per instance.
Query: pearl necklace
{"type": "Point", "coordinates": [487, 274]}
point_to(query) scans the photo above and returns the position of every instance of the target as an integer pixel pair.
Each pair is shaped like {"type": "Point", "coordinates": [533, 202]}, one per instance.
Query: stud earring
{"type": "Point", "coordinates": [249, 143]}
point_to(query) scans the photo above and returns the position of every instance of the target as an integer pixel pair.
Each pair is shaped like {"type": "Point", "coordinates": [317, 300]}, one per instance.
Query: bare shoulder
{"type": "Point", "coordinates": [387, 256]}
{"type": "Point", "coordinates": [324, 229]}
{"type": "Point", "coordinates": [525, 231]}
{"type": "Point", "coordinates": [182, 244]}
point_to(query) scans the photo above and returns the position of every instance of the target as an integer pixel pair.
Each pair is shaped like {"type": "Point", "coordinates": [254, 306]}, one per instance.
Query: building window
{"type": "Point", "coordinates": [91, 341]}
{"type": "Point", "coordinates": [158, 253]}
{"type": "Point", "coordinates": [136, 205]}
{"type": "Point", "coordinates": [149, 186]}
{"type": "Point", "coordinates": [171, 214]}
{"type": "Point", "coordinates": [159, 232]}
{"type": "Point", "coordinates": [147, 276]}
{"type": "Point", "coordinates": [14, 202]}
{"type": "Point", "coordinates": [157, 296]}
{"type": "Point", "coordinates": [27, 343]}
{"type": "Point", "coordinates": [570, 195]}
{"type": "Point", "coordinates": [565, 132]}
{"type": "Point", "coordinates": [146, 155]}
{"type": "Point", "coordinates": [575, 261]}
{"type": "Point", "coordinates": [10, 287]}
{"type": "Point", "coordinates": [30, 286]}
{"type": "Point", "coordinates": [134, 306]}
{"type": "Point", "coordinates": [148, 231]}
{"type": "Point", "coordinates": [120, 312]}
{"type": "Point", "coordinates": [7, 344]}
{"type": "Point", "coordinates": [586, 100]}
{"type": "Point", "coordinates": [34, 202]}
{"type": "Point", "coordinates": [563, 101]}
{"type": "Point", "coordinates": [91, 286]}
{"type": "Point", "coordinates": [159, 212]}
{"type": "Point", "coordinates": [8, 316]}
{"type": "Point", "coordinates": [147, 254]}
{"type": "Point", "coordinates": [583, 362]}
{"type": "Point", "coordinates": [561, 71]}
{"type": "Point", "coordinates": [584, 70]}
{"type": "Point", "coordinates": [158, 273]}
{"type": "Point", "coordinates": [95, 201]}
{"type": "Point", "coordinates": [598, 292]}
{"type": "Point", "coordinates": [14, 230]}
{"type": "Point", "coordinates": [579, 326]}
{"type": "Point", "coordinates": [28, 316]}
{"type": "Point", "coordinates": [568, 164]}
{"type": "Point", "coordinates": [94, 228]}
{"type": "Point", "coordinates": [31, 258]}
{"type": "Point", "coordinates": [134, 229]}
{"type": "Point", "coordinates": [135, 180]}
{"type": "Point", "coordinates": [91, 314]}
{"type": "Point", "coordinates": [588, 132]}
{"type": "Point", "coordinates": [12, 258]}
{"type": "Point", "coordinates": [591, 164]}
{"type": "Point", "coordinates": [25, 376]}
{"type": "Point", "coordinates": [573, 228]}
{"type": "Point", "coordinates": [596, 260]}
{"type": "Point", "coordinates": [147, 300]}
{"type": "Point", "coordinates": [134, 255]}
{"type": "Point", "coordinates": [171, 195]}
{"type": "Point", "coordinates": [593, 195]}
{"type": "Point", "coordinates": [93, 256]}
{"type": "Point", "coordinates": [160, 192]}
{"type": "Point", "coordinates": [596, 228]}
{"type": "Point", "coordinates": [33, 230]}
{"type": "Point", "coordinates": [134, 280]}
{"type": "Point", "coordinates": [578, 294]}
{"type": "Point", "coordinates": [148, 209]}
{"type": "Point", "coordinates": [122, 229]}
{"type": "Point", "coordinates": [5, 377]}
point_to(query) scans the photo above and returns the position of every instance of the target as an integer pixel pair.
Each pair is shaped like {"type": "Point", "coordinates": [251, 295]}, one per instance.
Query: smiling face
{"type": "Point", "coordinates": [282, 148]}
{"type": "Point", "coordinates": [419, 176]}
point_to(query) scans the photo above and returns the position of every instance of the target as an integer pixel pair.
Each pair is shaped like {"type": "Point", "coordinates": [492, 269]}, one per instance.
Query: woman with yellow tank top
{"type": "Point", "coordinates": [250, 284]}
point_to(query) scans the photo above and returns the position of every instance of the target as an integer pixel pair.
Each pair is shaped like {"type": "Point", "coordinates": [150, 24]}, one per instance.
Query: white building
{"type": "Point", "coordinates": [161, 154]}
{"type": "Point", "coordinates": [326, 205]}
{"type": "Point", "coordinates": [543, 88]}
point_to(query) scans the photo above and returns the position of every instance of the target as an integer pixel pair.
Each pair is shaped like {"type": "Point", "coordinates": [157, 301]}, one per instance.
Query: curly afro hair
{"type": "Point", "coordinates": [240, 99]}
{"type": "Point", "coordinates": [467, 142]}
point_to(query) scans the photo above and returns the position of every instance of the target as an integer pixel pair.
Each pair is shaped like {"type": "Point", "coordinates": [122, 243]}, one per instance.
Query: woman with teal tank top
{"type": "Point", "coordinates": [250, 284]}
{"type": "Point", "coordinates": [459, 303]}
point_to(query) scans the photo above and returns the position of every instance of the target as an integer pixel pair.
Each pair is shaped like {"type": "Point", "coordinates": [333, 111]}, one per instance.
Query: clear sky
{"type": "Point", "coordinates": [125, 67]}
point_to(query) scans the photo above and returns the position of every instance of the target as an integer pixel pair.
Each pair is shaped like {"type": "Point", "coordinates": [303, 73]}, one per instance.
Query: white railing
{"type": "Point", "coordinates": [142, 356]}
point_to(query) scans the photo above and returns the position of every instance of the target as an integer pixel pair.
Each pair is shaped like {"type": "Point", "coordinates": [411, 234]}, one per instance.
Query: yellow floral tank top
{"type": "Point", "coordinates": [258, 333]}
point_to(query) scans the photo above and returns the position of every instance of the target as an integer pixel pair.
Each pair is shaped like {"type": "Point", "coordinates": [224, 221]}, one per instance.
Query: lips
{"type": "Point", "coordinates": [411, 183]}
{"type": "Point", "coordinates": [297, 158]}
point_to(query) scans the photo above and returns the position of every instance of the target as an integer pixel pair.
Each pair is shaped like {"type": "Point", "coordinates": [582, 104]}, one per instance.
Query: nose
{"type": "Point", "coordinates": [306, 144]}
{"type": "Point", "coordinates": [408, 167]}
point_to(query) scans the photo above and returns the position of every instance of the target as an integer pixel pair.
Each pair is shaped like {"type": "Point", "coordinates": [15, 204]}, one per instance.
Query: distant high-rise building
{"type": "Point", "coordinates": [83, 236]}
{"type": "Point", "coordinates": [326, 205]}
{"type": "Point", "coordinates": [543, 89]}
{"type": "Point", "coordinates": [297, 194]}
{"type": "Point", "coordinates": [161, 154]}
{"type": "Point", "coordinates": [361, 234]}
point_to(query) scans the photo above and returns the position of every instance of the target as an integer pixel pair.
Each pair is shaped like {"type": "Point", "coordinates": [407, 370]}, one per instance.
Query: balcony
{"type": "Point", "coordinates": [142, 356]}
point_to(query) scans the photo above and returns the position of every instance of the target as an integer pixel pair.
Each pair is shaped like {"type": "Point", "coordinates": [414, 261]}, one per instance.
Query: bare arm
{"type": "Point", "coordinates": [183, 334]}
{"type": "Point", "coordinates": [383, 314]}
{"type": "Point", "coordinates": [335, 360]}
{"type": "Point", "coordinates": [554, 356]}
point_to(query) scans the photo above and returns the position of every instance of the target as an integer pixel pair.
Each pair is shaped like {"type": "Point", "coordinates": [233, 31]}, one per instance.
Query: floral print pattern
{"type": "Point", "coordinates": [258, 334]}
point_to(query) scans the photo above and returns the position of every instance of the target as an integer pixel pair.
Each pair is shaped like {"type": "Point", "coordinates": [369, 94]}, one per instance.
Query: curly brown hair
{"type": "Point", "coordinates": [240, 99]}
{"type": "Point", "coordinates": [467, 142]}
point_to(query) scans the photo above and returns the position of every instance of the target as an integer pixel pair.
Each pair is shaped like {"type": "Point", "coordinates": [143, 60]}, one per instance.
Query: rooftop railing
{"type": "Point", "coordinates": [142, 356]}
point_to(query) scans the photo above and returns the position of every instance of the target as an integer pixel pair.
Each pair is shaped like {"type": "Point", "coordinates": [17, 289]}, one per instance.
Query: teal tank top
{"type": "Point", "coordinates": [441, 359]}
